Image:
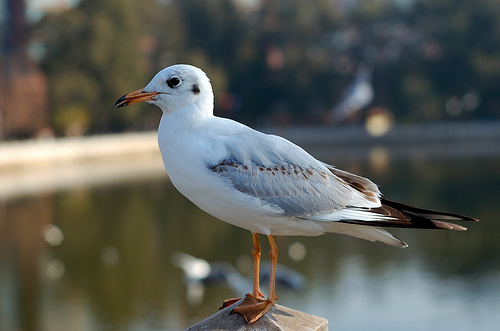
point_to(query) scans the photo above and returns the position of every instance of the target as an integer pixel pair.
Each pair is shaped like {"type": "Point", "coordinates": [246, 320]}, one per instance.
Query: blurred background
{"type": "Point", "coordinates": [405, 92]}
{"type": "Point", "coordinates": [64, 62]}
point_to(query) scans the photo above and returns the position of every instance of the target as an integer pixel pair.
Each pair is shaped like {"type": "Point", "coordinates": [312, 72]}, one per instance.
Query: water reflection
{"type": "Point", "coordinates": [200, 273]}
{"type": "Point", "coordinates": [99, 257]}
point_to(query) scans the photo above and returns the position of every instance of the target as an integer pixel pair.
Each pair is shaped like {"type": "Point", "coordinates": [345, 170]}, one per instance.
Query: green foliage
{"type": "Point", "coordinates": [73, 120]}
{"type": "Point", "coordinates": [93, 58]}
{"type": "Point", "coordinates": [279, 62]}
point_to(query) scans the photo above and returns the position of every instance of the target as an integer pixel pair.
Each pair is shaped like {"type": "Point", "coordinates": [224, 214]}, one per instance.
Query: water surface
{"type": "Point", "coordinates": [98, 256]}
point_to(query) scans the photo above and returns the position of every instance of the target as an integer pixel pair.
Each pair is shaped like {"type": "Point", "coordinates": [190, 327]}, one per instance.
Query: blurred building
{"type": "Point", "coordinates": [23, 87]}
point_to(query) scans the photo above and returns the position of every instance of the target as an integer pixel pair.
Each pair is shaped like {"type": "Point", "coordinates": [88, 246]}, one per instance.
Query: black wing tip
{"type": "Point", "coordinates": [399, 215]}
{"type": "Point", "coordinates": [432, 215]}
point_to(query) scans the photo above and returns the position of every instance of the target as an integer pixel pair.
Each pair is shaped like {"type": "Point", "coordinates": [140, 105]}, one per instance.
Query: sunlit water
{"type": "Point", "coordinates": [98, 256]}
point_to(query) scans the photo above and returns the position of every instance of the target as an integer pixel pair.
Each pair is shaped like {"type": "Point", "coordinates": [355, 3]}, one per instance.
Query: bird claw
{"type": "Point", "coordinates": [228, 302]}
{"type": "Point", "coordinates": [253, 308]}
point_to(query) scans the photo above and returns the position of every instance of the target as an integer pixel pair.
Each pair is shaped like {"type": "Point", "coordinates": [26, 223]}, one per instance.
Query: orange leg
{"type": "Point", "coordinates": [273, 256]}
{"type": "Point", "coordinates": [256, 273]}
{"type": "Point", "coordinates": [253, 307]}
{"type": "Point", "coordinates": [256, 266]}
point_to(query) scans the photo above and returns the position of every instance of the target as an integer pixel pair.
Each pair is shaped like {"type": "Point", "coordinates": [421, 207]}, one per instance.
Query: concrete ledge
{"type": "Point", "coordinates": [30, 153]}
{"type": "Point", "coordinates": [34, 166]}
{"type": "Point", "coordinates": [278, 318]}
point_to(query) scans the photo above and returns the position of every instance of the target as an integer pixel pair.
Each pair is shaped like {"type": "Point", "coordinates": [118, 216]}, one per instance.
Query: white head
{"type": "Point", "coordinates": [174, 88]}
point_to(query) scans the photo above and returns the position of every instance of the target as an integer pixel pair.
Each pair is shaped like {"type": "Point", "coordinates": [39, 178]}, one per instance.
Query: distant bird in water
{"type": "Point", "coordinates": [357, 96]}
{"type": "Point", "coordinates": [265, 183]}
{"type": "Point", "coordinates": [199, 273]}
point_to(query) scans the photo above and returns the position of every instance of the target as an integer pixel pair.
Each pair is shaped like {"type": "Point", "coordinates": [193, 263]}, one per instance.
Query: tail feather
{"type": "Point", "coordinates": [403, 216]}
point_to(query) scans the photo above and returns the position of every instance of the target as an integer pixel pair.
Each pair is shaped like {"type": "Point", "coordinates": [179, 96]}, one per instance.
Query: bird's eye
{"type": "Point", "coordinates": [173, 81]}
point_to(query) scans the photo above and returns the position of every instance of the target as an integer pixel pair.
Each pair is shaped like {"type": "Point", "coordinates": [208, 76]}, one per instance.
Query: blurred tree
{"type": "Point", "coordinates": [93, 52]}
{"type": "Point", "coordinates": [276, 62]}
{"type": "Point", "coordinates": [267, 61]}
{"type": "Point", "coordinates": [451, 53]}
{"type": "Point", "coordinates": [468, 32]}
{"type": "Point", "coordinates": [293, 73]}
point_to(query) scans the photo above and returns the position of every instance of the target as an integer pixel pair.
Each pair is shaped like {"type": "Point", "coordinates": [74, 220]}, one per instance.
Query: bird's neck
{"type": "Point", "coordinates": [183, 122]}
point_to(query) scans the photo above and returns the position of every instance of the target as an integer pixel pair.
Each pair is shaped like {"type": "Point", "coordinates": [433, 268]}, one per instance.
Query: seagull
{"type": "Point", "coordinates": [264, 183]}
{"type": "Point", "coordinates": [357, 96]}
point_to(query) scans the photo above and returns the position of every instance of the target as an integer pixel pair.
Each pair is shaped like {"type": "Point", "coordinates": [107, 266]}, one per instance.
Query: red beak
{"type": "Point", "coordinates": [135, 97]}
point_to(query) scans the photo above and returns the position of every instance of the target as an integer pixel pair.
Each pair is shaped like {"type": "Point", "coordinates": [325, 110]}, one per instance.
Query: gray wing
{"type": "Point", "coordinates": [275, 170]}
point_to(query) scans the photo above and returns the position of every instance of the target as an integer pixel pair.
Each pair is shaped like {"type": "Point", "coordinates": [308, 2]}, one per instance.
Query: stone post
{"type": "Point", "coordinates": [278, 318]}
